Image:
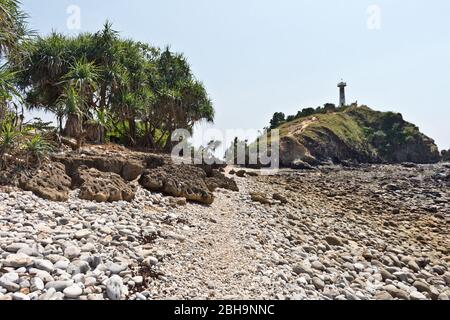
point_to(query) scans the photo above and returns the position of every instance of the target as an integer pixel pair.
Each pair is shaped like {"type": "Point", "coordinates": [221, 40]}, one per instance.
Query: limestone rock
{"type": "Point", "coordinates": [50, 181]}
{"type": "Point", "coordinates": [219, 180]}
{"type": "Point", "coordinates": [102, 186]}
{"type": "Point", "coordinates": [18, 260]}
{"type": "Point", "coordinates": [132, 170]}
{"type": "Point", "coordinates": [114, 287]}
{"type": "Point", "coordinates": [259, 197]}
{"type": "Point", "coordinates": [178, 181]}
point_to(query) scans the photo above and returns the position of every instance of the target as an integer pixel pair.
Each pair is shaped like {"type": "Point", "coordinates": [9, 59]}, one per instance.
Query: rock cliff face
{"type": "Point", "coordinates": [113, 176]}
{"type": "Point", "coordinates": [445, 155]}
{"type": "Point", "coordinates": [358, 134]}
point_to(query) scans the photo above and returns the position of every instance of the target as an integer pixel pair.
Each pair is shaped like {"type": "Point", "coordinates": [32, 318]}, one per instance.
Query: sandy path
{"type": "Point", "coordinates": [217, 259]}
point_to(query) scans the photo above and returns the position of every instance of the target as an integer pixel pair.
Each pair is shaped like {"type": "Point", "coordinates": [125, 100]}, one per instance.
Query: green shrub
{"type": "Point", "coordinates": [36, 149]}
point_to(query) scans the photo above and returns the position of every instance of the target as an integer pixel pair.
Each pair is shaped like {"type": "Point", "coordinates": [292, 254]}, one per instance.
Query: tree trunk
{"type": "Point", "coordinates": [131, 139]}
{"type": "Point", "coordinates": [60, 121]}
{"type": "Point", "coordinates": [148, 137]}
{"type": "Point", "coordinates": [95, 133]}
{"type": "Point", "coordinates": [72, 126]}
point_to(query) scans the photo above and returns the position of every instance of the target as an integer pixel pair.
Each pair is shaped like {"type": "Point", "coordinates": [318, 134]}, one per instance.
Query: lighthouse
{"type": "Point", "coordinates": [341, 85]}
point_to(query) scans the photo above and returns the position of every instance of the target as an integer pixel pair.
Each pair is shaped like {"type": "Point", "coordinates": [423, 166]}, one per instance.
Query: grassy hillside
{"type": "Point", "coordinates": [358, 133]}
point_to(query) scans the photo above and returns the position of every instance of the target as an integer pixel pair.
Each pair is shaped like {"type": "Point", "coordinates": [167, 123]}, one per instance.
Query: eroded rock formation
{"type": "Point", "coordinates": [179, 181]}
{"type": "Point", "coordinates": [101, 186]}
{"type": "Point", "coordinates": [105, 176]}
{"type": "Point", "coordinates": [49, 182]}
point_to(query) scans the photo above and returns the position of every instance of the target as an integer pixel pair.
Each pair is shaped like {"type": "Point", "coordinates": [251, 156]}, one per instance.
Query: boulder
{"type": "Point", "coordinates": [334, 241]}
{"type": "Point", "coordinates": [101, 186]}
{"type": "Point", "coordinates": [241, 173]}
{"type": "Point", "coordinates": [279, 197]}
{"type": "Point", "coordinates": [181, 180]}
{"type": "Point", "coordinates": [49, 181]}
{"type": "Point", "coordinates": [445, 155]}
{"type": "Point", "coordinates": [128, 169]}
{"type": "Point", "coordinates": [219, 180]}
{"type": "Point", "coordinates": [132, 169]}
{"type": "Point", "coordinates": [259, 197]}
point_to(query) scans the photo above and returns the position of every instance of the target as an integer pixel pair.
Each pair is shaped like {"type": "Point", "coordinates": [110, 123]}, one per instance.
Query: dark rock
{"type": "Point", "coordinates": [101, 186]}
{"type": "Point", "coordinates": [279, 197]}
{"type": "Point", "coordinates": [49, 182]}
{"type": "Point", "coordinates": [182, 180]}
{"type": "Point", "coordinates": [154, 161]}
{"type": "Point", "coordinates": [241, 173]}
{"type": "Point", "coordinates": [259, 197]}
{"type": "Point", "coordinates": [219, 180]}
{"type": "Point", "coordinates": [445, 155]}
{"type": "Point", "coordinates": [392, 187]}
{"type": "Point", "coordinates": [409, 165]}
{"type": "Point", "coordinates": [211, 168]}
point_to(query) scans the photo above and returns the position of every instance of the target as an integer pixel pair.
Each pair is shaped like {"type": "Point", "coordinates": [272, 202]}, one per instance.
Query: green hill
{"type": "Point", "coordinates": [355, 133]}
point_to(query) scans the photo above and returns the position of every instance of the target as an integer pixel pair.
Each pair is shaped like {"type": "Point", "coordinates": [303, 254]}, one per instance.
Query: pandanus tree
{"type": "Point", "coordinates": [81, 82]}
{"type": "Point", "coordinates": [180, 100]}
{"type": "Point", "coordinates": [41, 71]}
{"type": "Point", "coordinates": [13, 27]}
{"type": "Point", "coordinates": [105, 54]}
{"type": "Point", "coordinates": [126, 87]}
{"type": "Point", "coordinates": [7, 84]}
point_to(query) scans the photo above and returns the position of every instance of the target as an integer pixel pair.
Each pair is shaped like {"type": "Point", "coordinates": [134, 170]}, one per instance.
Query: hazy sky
{"type": "Point", "coordinates": [256, 57]}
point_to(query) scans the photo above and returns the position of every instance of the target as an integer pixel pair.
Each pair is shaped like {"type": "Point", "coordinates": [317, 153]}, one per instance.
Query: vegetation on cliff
{"type": "Point", "coordinates": [355, 133]}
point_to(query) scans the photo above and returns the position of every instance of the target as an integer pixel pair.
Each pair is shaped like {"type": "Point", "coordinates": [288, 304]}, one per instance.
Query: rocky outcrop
{"type": "Point", "coordinates": [219, 180]}
{"type": "Point", "coordinates": [110, 176]}
{"type": "Point", "coordinates": [259, 197]}
{"type": "Point", "coordinates": [445, 154]}
{"type": "Point", "coordinates": [128, 169]}
{"type": "Point", "coordinates": [357, 134]}
{"type": "Point", "coordinates": [101, 186]}
{"type": "Point", "coordinates": [178, 181]}
{"type": "Point", "coordinates": [49, 182]}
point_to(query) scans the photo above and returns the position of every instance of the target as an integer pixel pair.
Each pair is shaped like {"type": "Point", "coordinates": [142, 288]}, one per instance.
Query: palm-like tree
{"type": "Point", "coordinates": [41, 69]}
{"type": "Point", "coordinates": [81, 83]}
{"type": "Point", "coordinates": [7, 83]}
{"type": "Point", "coordinates": [143, 92]}
{"type": "Point", "coordinates": [12, 30]}
{"type": "Point", "coordinates": [12, 26]}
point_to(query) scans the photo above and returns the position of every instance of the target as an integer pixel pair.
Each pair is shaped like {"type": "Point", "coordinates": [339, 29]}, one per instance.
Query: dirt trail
{"type": "Point", "coordinates": [217, 260]}
{"type": "Point", "coordinates": [302, 126]}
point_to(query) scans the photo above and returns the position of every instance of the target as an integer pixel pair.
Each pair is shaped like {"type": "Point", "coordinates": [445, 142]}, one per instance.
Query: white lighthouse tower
{"type": "Point", "coordinates": [341, 85]}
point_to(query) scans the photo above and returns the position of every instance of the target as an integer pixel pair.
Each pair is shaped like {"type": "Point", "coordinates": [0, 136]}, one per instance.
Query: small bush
{"type": "Point", "coordinates": [36, 149]}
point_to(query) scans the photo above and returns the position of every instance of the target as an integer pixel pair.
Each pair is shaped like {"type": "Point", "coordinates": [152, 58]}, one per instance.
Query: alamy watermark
{"type": "Point", "coordinates": [374, 17]}
{"type": "Point", "coordinates": [73, 21]}
{"type": "Point", "coordinates": [262, 153]}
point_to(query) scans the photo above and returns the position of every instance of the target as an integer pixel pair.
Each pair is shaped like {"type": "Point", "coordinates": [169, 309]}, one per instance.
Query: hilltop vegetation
{"type": "Point", "coordinates": [355, 133]}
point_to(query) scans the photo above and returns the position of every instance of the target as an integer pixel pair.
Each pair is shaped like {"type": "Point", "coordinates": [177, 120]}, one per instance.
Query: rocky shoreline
{"type": "Point", "coordinates": [372, 232]}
